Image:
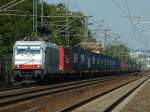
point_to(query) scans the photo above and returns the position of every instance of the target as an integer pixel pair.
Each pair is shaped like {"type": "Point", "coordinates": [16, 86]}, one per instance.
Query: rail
{"type": "Point", "coordinates": [104, 104]}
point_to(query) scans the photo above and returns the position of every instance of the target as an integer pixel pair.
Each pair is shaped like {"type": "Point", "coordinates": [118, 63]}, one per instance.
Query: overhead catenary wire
{"type": "Point", "coordinates": [27, 15]}
{"type": "Point", "coordinates": [56, 32]}
{"type": "Point", "coordinates": [130, 18]}
{"type": "Point", "coordinates": [11, 5]}
{"type": "Point", "coordinates": [129, 13]}
{"type": "Point", "coordinates": [140, 8]}
{"type": "Point", "coordinates": [118, 6]}
{"type": "Point", "coordinates": [17, 11]}
{"type": "Point", "coordinates": [142, 33]}
{"type": "Point", "coordinates": [4, 6]}
{"type": "Point", "coordinates": [61, 29]}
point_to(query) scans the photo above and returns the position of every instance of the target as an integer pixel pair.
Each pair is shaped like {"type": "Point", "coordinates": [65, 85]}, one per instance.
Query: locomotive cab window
{"type": "Point", "coordinates": [21, 49]}
{"type": "Point", "coordinates": [35, 49]}
{"type": "Point", "coordinates": [28, 49]}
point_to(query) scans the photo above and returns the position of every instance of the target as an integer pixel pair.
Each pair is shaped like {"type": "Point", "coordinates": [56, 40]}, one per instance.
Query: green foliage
{"type": "Point", "coordinates": [120, 51]}
{"type": "Point", "coordinates": [14, 28]}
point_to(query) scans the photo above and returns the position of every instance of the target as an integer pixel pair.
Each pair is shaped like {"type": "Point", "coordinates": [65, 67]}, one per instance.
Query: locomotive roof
{"type": "Point", "coordinates": [29, 42]}
{"type": "Point", "coordinates": [49, 44]}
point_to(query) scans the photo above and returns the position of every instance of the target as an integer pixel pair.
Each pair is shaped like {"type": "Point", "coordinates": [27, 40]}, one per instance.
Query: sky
{"type": "Point", "coordinates": [120, 16]}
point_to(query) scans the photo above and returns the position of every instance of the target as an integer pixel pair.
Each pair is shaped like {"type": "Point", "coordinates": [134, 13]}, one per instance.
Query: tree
{"type": "Point", "coordinates": [13, 28]}
{"type": "Point", "coordinates": [118, 50]}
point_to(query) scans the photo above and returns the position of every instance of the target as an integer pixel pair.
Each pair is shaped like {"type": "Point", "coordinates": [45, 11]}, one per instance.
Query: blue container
{"type": "Point", "coordinates": [79, 56]}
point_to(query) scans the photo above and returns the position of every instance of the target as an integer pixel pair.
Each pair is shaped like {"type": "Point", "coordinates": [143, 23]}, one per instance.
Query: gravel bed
{"type": "Point", "coordinates": [140, 102]}
{"type": "Point", "coordinates": [56, 102]}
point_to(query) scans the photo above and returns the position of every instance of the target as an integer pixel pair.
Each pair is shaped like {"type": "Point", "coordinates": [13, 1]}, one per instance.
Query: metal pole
{"type": "Point", "coordinates": [105, 37]}
{"type": "Point", "coordinates": [33, 8]}
{"type": "Point", "coordinates": [42, 13]}
{"type": "Point", "coordinates": [36, 18]}
{"type": "Point", "coordinates": [67, 24]}
{"type": "Point", "coordinates": [86, 28]}
{"type": "Point", "coordinates": [105, 40]}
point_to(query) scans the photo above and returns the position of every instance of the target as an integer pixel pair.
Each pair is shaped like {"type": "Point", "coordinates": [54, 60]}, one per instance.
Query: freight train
{"type": "Point", "coordinates": [40, 60]}
{"type": "Point", "coordinates": [5, 71]}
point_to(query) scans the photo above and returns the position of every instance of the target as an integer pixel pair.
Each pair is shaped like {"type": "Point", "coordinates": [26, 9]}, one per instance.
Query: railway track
{"type": "Point", "coordinates": [109, 100]}
{"type": "Point", "coordinates": [118, 101]}
{"type": "Point", "coordinates": [17, 87]}
{"type": "Point", "coordinates": [32, 86]}
{"type": "Point", "coordinates": [20, 94]}
{"type": "Point", "coordinates": [8, 88]}
{"type": "Point", "coordinates": [9, 99]}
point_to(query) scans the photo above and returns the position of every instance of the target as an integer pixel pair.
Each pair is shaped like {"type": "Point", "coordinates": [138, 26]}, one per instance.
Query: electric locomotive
{"type": "Point", "coordinates": [33, 60]}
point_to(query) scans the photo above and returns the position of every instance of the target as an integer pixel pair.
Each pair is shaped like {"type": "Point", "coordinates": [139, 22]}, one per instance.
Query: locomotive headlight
{"type": "Point", "coordinates": [38, 66]}
{"type": "Point", "coordinates": [60, 68]}
{"type": "Point", "coordinates": [17, 66]}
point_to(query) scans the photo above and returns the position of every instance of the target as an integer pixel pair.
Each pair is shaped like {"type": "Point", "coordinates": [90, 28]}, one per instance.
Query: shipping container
{"type": "Point", "coordinates": [79, 59]}
{"type": "Point", "coordinates": [117, 64]}
{"type": "Point", "coordinates": [65, 59]}
{"type": "Point", "coordinates": [89, 60]}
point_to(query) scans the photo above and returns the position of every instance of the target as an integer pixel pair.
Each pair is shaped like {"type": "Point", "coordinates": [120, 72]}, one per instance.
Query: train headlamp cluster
{"type": "Point", "coordinates": [32, 66]}
{"type": "Point", "coordinates": [38, 66]}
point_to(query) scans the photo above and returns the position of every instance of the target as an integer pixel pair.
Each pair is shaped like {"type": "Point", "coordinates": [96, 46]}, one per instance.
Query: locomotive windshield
{"type": "Point", "coordinates": [28, 49]}
{"type": "Point", "coordinates": [35, 49]}
{"type": "Point", "coordinates": [22, 49]}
